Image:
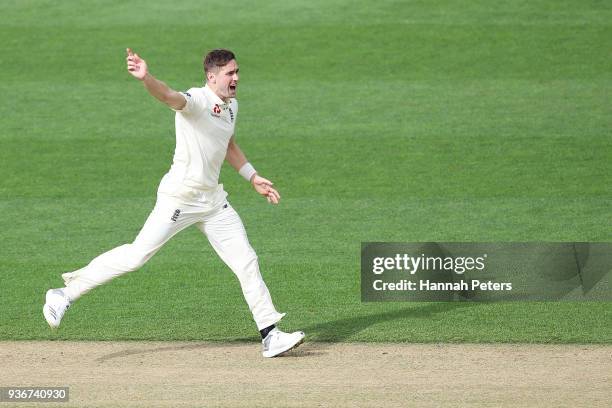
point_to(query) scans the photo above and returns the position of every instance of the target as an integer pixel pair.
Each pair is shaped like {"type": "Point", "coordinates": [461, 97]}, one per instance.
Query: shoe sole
{"type": "Point", "coordinates": [288, 350]}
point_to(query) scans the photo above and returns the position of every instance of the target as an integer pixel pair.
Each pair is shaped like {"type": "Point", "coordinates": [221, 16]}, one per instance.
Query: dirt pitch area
{"type": "Point", "coordinates": [195, 374]}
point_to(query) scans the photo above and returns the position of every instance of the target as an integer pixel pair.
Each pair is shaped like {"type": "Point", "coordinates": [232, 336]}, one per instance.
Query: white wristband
{"type": "Point", "coordinates": [247, 171]}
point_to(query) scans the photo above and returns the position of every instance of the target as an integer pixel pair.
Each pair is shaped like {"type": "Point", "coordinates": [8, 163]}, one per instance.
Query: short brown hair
{"type": "Point", "coordinates": [217, 58]}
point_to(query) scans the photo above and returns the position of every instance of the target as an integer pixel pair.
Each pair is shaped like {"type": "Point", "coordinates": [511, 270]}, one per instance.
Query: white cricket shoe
{"type": "Point", "coordinates": [278, 342]}
{"type": "Point", "coordinates": [56, 304]}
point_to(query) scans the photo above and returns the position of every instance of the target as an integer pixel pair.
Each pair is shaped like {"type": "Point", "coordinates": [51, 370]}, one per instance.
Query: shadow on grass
{"type": "Point", "coordinates": [319, 336]}
{"type": "Point", "coordinates": [342, 329]}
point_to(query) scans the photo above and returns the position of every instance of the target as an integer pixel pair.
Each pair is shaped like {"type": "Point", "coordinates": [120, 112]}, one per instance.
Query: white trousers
{"type": "Point", "coordinates": [223, 228]}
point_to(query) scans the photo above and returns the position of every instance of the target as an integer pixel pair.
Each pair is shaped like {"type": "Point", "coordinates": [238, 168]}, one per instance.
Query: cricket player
{"type": "Point", "coordinates": [190, 194]}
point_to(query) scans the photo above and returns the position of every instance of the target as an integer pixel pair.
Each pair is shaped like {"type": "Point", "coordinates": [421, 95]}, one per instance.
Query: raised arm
{"type": "Point", "coordinates": [138, 68]}
{"type": "Point", "coordinates": [238, 160]}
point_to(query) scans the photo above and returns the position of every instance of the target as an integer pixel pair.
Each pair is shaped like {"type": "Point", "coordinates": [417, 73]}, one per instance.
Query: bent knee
{"type": "Point", "coordinates": [137, 257]}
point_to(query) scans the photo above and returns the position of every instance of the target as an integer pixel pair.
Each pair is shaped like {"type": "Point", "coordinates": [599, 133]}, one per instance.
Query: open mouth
{"type": "Point", "coordinates": [232, 88]}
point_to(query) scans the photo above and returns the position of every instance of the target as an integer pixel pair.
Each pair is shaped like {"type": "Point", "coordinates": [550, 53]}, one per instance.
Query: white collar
{"type": "Point", "coordinates": [214, 96]}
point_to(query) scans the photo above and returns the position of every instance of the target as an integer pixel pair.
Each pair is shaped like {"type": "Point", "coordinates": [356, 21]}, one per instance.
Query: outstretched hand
{"type": "Point", "coordinates": [136, 65]}
{"type": "Point", "coordinates": [264, 187]}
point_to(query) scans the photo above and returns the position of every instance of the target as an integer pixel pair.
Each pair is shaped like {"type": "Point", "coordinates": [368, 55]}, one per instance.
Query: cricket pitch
{"type": "Point", "coordinates": [203, 374]}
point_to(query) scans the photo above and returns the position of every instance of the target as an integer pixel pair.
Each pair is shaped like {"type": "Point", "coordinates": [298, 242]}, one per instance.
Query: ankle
{"type": "Point", "coordinates": [264, 332]}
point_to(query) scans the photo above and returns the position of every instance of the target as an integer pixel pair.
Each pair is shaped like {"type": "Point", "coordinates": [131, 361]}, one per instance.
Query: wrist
{"type": "Point", "coordinates": [247, 171]}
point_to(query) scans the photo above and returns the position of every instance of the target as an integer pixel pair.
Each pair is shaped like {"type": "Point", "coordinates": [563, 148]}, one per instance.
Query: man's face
{"type": "Point", "coordinates": [224, 80]}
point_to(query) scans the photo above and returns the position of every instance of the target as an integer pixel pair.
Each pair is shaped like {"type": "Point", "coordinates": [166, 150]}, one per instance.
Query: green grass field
{"type": "Point", "coordinates": [378, 121]}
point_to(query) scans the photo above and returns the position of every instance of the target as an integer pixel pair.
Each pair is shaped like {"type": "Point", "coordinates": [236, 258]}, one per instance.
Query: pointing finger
{"type": "Point", "coordinates": [273, 199]}
{"type": "Point", "coordinates": [273, 192]}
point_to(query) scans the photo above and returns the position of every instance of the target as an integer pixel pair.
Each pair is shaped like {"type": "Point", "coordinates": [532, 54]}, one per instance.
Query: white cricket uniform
{"type": "Point", "coordinates": [191, 194]}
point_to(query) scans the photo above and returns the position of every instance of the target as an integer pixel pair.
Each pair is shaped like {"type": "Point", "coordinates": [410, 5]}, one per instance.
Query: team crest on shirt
{"type": "Point", "coordinates": [217, 109]}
